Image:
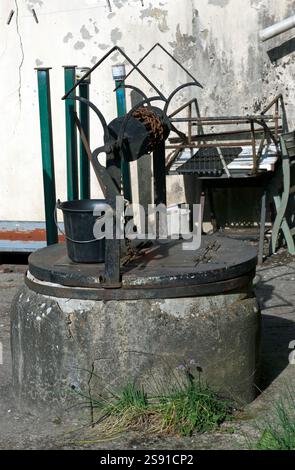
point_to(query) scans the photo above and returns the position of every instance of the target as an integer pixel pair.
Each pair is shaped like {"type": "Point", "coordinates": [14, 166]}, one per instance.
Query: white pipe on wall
{"type": "Point", "coordinates": [277, 28]}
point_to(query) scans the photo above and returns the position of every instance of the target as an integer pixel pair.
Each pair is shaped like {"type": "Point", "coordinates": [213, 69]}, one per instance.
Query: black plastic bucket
{"type": "Point", "coordinates": [79, 221]}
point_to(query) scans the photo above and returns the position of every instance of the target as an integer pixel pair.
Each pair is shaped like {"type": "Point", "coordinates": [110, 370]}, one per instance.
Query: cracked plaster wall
{"type": "Point", "coordinates": [216, 39]}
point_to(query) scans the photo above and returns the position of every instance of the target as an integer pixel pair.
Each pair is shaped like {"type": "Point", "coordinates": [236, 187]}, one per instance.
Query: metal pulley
{"type": "Point", "coordinates": [145, 129]}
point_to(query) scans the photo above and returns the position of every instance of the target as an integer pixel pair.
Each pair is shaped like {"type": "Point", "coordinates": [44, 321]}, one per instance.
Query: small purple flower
{"type": "Point", "coordinates": [181, 367]}
{"type": "Point", "coordinates": [192, 362]}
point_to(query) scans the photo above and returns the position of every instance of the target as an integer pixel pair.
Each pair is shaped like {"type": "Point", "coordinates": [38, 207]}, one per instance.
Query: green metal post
{"type": "Point", "coordinates": [71, 135]}
{"type": "Point", "coordinates": [84, 161]}
{"type": "Point", "coordinates": [121, 98]}
{"type": "Point", "coordinates": [47, 153]}
{"type": "Point", "coordinates": [121, 111]}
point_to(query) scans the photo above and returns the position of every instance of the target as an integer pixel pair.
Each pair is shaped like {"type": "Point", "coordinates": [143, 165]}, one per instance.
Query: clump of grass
{"type": "Point", "coordinates": [193, 408]}
{"type": "Point", "coordinates": [279, 432]}
{"type": "Point", "coordinates": [190, 406]}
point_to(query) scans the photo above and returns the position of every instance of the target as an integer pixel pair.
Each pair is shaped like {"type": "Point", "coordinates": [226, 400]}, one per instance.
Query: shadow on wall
{"type": "Point", "coordinates": [277, 333]}
{"type": "Point", "coordinates": [282, 50]}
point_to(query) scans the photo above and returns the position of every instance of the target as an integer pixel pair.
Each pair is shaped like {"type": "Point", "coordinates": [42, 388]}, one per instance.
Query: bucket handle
{"type": "Point", "coordinates": [58, 206]}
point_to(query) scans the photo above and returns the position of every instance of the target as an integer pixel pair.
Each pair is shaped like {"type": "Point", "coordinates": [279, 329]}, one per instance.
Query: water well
{"type": "Point", "coordinates": [148, 307]}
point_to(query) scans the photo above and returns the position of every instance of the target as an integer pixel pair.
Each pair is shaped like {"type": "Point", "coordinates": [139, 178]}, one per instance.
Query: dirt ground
{"type": "Point", "coordinates": [275, 291]}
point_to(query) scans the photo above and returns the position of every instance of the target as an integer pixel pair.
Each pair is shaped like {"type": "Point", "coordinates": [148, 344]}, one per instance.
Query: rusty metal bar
{"type": "Point", "coordinates": [213, 123]}
{"type": "Point", "coordinates": [181, 108]}
{"type": "Point", "coordinates": [189, 105]}
{"type": "Point", "coordinates": [270, 105]}
{"type": "Point", "coordinates": [226, 120]}
{"type": "Point", "coordinates": [217, 144]}
{"type": "Point", "coordinates": [171, 157]}
{"type": "Point", "coordinates": [225, 134]}
{"type": "Point", "coordinates": [223, 123]}
{"type": "Point", "coordinates": [200, 127]}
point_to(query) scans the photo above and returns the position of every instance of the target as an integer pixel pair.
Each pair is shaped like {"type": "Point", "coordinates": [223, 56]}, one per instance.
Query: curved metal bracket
{"type": "Point", "coordinates": [171, 96]}
{"type": "Point", "coordinates": [186, 85]}
{"type": "Point", "coordinates": [97, 112]}
{"type": "Point", "coordinates": [102, 173]}
{"type": "Point", "coordinates": [104, 179]}
{"type": "Point", "coordinates": [134, 88]}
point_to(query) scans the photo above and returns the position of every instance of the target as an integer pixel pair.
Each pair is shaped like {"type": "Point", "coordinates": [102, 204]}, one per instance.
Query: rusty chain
{"type": "Point", "coordinates": [152, 123]}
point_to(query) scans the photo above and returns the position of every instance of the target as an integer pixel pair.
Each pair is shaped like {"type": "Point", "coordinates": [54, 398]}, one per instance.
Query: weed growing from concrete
{"type": "Point", "coordinates": [279, 431]}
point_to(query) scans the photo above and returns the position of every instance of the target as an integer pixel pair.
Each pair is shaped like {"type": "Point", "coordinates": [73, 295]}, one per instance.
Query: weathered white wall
{"type": "Point", "coordinates": [216, 39]}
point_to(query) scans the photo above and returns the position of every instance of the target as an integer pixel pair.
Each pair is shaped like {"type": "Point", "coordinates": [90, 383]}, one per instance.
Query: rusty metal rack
{"type": "Point", "coordinates": [210, 153]}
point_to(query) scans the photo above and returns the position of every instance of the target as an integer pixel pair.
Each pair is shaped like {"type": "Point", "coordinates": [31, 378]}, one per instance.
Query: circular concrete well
{"type": "Point", "coordinates": [174, 307]}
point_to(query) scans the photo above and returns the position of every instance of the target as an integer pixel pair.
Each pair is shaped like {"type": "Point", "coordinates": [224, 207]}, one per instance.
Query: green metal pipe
{"type": "Point", "coordinates": [84, 161]}
{"type": "Point", "coordinates": [47, 154]}
{"type": "Point", "coordinates": [121, 111]}
{"type": "Point", "coordinates": [121, 98]}
{"type": "Point", "coordinates": [71, 135]}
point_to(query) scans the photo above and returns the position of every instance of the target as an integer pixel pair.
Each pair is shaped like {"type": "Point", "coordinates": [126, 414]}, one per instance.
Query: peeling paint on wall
{"type": "Point", "coordinates": [157, 14]}
{"type": "Point", "coordinates": [219, 3]}
{"type": "Point", "coordinates": [85, 33]}
{"type": "Point", "coordinates": [158, 67]}
{"type": "Point", "coordinates": [184, 46]}
{"type": "Point", "coordinates": [68, 37]}
{"type": "Point", "coordinates": [116, 35]}
{"type": "Point", "coordinates": [79, 45]}
{"type": "Point", "coordinates": [116, 56]}
{"type": "Point", "coordinates": [119, 3]}
{"type": "Point", "coordinates": [103, 47]}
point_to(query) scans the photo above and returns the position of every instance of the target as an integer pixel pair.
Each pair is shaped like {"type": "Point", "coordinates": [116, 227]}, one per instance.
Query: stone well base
{"type": "Point", "coordinates": [95, 346]}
